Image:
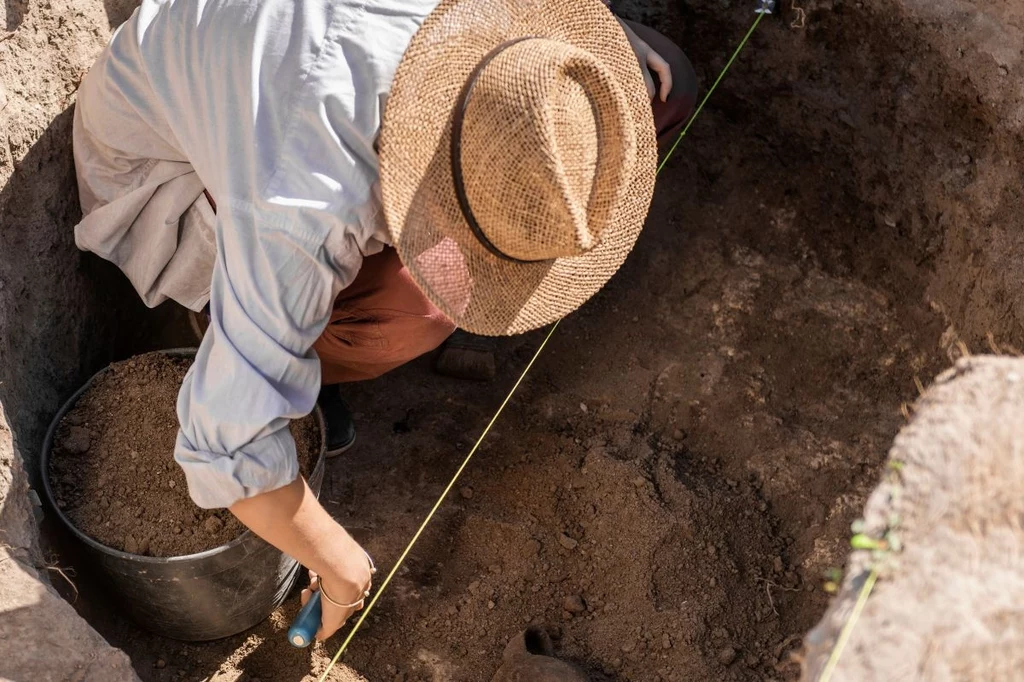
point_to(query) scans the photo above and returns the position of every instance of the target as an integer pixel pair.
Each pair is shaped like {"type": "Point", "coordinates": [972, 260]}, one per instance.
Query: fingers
{"type": "Point", "coordinates": [332, 620]}
{"type": "Point", "coordinates": [649, 81]}
{"type": "Point", "coordinates": [659, 66]}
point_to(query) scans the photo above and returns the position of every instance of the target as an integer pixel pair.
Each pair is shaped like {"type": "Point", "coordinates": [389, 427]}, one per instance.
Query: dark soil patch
{"type": "Point", "coordinates": [113, 467]}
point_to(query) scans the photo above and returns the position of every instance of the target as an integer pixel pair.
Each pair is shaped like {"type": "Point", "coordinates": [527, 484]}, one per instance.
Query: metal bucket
{"type": "Point", "coordinates": [197, 597]}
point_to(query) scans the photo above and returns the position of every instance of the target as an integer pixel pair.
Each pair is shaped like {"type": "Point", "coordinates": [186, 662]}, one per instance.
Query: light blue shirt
{"type": "Point", "coordinates": [274, 107]}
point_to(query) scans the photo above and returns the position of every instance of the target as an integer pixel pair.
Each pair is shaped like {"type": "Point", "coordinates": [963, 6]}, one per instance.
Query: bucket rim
{"type": "Point", "coordinates": [44, 464]}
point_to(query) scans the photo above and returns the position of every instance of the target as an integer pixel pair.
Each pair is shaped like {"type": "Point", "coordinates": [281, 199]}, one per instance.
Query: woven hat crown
{"type": "Point", "coordinates": [547, 149]}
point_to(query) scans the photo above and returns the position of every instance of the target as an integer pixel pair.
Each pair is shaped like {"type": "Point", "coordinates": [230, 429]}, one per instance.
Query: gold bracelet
{"type": "Point", "coordinates": [366, 592]}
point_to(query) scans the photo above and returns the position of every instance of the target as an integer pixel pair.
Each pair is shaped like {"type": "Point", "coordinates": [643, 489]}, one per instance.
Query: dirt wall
{"type": "Point", "coordinates": [947, 606]}
{"type": "Point", "coordinates": [62, 315]}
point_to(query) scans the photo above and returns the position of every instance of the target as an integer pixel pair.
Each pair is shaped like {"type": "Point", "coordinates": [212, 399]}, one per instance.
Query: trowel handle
{"type": "Point", "coordinates": [306, 623]}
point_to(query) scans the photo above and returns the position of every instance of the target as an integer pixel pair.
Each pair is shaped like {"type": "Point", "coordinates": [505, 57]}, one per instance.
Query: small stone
{"type": "Point", "coordinates": [583, 407]}
{"type": "Point", "coordinates": [171, 484]}
{"type": "Point", "coordinates": [574, 604]}
{"type": "Point", "coordinates": [466, 492]}
{"type": "Point", "coordinates": [177, 530]}
{"type": "Point", "coordinates": [160, 663]}
{"type": "Point", "coordinates": [1004, 71]}
{"type": "Point", "coordinates": [490, 605]}
{"type": "Point", "coordinates": [78, 440]}
{"type": "Point", "coordinates": [213, 525]}
{"type": "Point", "coordinates": [566, 541]}
{"type": "Point", "coordinates": [727, 655]}
{"type": "Point", "coordinates": [638, 481]}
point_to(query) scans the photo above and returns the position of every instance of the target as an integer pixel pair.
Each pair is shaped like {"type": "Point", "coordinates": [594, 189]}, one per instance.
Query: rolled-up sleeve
{"type": "Point", "coordinates": [271, 297]}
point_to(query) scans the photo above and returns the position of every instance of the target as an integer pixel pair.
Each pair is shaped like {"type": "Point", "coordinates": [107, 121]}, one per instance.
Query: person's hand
{"type": "Point", "coordinates": [291, 519]}
{"type": "Point", "coordinates": [649, 61]}
{"type": "Point", "coordinates": [340, 597]}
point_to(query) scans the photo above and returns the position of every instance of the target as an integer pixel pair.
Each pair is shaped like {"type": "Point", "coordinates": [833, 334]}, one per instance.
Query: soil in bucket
{"type": "Point", "coordinates": [113, 468]}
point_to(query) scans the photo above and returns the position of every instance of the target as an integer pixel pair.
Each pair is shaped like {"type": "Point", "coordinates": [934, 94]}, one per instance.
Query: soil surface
{"type": "Point", "coordinates": [113, 467]}
{"type": "Point", "coordinates": [682, 466]}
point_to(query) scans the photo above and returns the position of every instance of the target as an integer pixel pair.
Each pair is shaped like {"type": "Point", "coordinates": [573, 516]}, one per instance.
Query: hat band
{"type": "Point", "coordinates": [456, 150]}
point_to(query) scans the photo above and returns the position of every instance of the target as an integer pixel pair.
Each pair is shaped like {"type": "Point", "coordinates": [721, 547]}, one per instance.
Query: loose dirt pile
{"type": "Point", "coordinates": [113, 467]}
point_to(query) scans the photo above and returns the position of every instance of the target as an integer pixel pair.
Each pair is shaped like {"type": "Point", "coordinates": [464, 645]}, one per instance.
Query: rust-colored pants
{"type": "Point", "coordinates": [382, 320]}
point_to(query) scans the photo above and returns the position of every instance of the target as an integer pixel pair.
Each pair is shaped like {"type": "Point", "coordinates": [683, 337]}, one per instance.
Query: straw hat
{"type": "Point", "coordinates": [517, 158]}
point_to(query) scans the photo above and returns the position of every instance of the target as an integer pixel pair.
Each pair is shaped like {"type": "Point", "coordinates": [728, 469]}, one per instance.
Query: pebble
{"type": "Point", "coordinates": [171, 484]}
{"type": "Point", "coordinates": [77, 441]}
{"type": "Point", "coordinates": [727, 655]}
{"type": "Point", "coordinates": [131, 545]}
{"type": "Point", "coordinates": [160, 663]}
{"type": "Point", "coordinates": [466, 492]}
{"type": "Point", "coordinates": [566, 541]}
{"type": "Point", "coordinates": [213, 525]}
{"type": "Point", "coordinates": [490, 605]}
{"type": "Point", "coordinates": [574, 604]}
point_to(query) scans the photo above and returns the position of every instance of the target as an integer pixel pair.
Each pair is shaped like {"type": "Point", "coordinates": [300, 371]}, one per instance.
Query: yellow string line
{"type": "Point", "coordinates": [844, 636]}
{"type": "Point", "coordinates": [718, 80]}
{"type": "Point", "coordinates": [476, 446]}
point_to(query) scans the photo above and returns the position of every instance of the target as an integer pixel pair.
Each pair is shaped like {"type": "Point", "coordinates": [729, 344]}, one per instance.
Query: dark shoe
{"type": "Point", "coordinates": [467, 356]}
{"type": "Point", "coordinates": [341, 429]}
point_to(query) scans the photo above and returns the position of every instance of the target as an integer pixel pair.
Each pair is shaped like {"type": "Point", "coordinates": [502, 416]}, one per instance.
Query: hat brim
{"type": "Point", "coordinates": [481, 292]}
